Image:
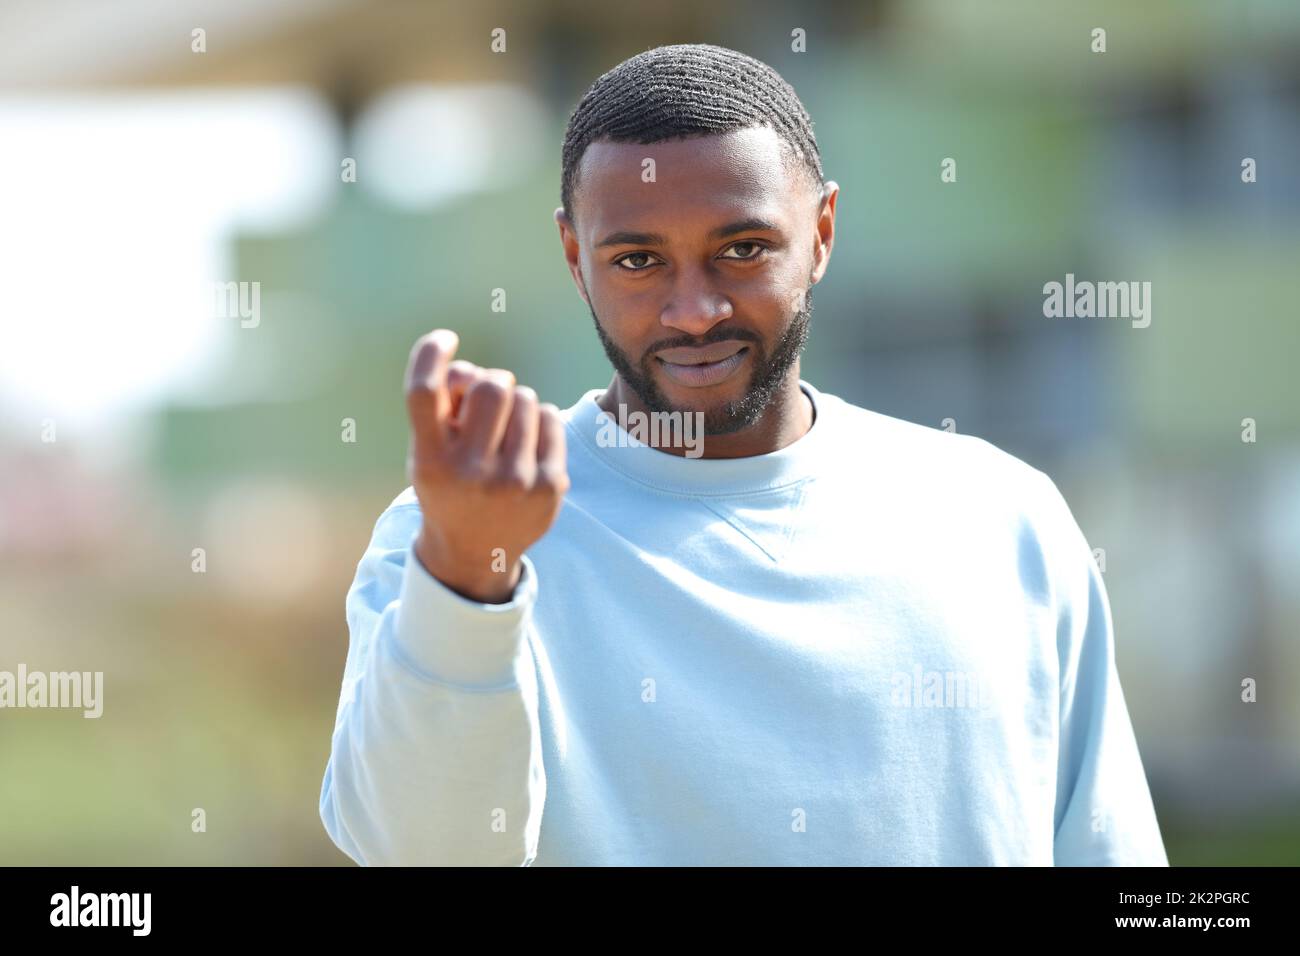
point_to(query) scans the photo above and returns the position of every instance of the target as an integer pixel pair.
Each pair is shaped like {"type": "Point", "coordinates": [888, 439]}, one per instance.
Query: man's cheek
{"type": "Point", "coordinates": [798, 300]}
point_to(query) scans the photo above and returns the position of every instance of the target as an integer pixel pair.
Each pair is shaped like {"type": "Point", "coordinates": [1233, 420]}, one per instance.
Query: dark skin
{"type": "Point", "coordinates": [487, 460]}
{"type": "Point", "coordinates": [679, 282]}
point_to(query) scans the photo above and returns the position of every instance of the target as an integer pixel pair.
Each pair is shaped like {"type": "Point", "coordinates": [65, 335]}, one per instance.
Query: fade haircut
{"type": "Point", "coordinates": [685, 90]}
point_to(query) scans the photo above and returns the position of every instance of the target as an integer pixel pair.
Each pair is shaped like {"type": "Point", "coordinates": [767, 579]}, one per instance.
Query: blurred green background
{"type": "Point", "coordinates": [139, 170]}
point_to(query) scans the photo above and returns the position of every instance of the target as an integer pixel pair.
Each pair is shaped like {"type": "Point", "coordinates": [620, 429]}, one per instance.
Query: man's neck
{"type": "Point", "coordinates": [786, 419]}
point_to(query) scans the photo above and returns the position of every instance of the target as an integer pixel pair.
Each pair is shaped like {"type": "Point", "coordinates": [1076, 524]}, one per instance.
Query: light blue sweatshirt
{"type": "Point", "coordinates": [883, 644]}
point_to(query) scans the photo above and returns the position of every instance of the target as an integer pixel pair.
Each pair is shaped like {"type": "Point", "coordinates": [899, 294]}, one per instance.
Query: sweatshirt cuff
{"type": "Point", "coordinates": [455, 640]}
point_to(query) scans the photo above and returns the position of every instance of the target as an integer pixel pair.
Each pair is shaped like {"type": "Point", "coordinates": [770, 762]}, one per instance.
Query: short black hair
{"type": "Point", "coordinates": [684, 90]}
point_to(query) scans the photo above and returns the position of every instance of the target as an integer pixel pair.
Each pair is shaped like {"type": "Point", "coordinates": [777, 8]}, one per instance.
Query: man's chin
{"type": "Point", "coordinates": [716, 402]}
{"type": "Point", "coordinates": [722, 407]}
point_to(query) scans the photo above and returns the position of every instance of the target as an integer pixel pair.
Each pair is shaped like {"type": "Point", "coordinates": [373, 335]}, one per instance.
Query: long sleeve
{"type": "Point", "coordinates": [436, 753]}
{"type": "Point", "coordinates": [1104, 814]}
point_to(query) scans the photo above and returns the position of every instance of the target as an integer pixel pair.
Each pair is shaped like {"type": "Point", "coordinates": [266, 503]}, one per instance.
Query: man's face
{"type": "Point", "coordinates": [699, 281]}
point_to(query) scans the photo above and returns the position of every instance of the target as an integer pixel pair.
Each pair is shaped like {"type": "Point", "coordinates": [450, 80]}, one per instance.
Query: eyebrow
{"type": "Point", "coordinates": [624, 238]}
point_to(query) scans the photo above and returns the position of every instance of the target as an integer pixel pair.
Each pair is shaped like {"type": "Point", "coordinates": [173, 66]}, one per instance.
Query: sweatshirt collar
{"type": "Point", "coordinates": [601, 436]}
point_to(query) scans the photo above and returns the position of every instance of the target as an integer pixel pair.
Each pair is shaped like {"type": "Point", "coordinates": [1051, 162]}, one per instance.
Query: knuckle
{"type": "Point", "coordinates": [488, 388]}
{"type": "Point", "coordinates": [462, 369]}
{"type": "Point", "coordinates": [419, 391]}
{"type": "Point", "coordinates": [550, 417]}
{"type": "Point", "coordinates": [552, 480]}
{"type": "Point", "coordinates": [472, 471]}
{"type": "Point", "coordinates": [513, 479]}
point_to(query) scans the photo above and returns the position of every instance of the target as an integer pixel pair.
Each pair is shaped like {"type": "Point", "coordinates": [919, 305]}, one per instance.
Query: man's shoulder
{"type": "Point", "coordinates": [962, 476]}
{"type": "Point", "coordinates": [916, 450]}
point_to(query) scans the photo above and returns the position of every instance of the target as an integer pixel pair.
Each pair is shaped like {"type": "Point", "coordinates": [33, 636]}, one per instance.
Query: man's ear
{"type": "Point", "coordinates": [572, 252]}
{"type": "Point", "coordinates": [830, 192]}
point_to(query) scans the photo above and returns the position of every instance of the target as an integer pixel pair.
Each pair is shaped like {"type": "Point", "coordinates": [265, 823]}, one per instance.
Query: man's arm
{"type": "Point", "coordinates": [436, 753]}
{"type": "Point", "coordinates": [1104, 814]}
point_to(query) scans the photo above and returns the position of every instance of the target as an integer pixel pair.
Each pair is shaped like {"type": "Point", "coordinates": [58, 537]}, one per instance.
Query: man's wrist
{"type": "Point", "coordinates": [482, 585]}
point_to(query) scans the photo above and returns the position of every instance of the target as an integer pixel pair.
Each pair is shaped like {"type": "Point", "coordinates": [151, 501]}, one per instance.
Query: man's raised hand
{"type": "Point", "coordinates": [488, 465]}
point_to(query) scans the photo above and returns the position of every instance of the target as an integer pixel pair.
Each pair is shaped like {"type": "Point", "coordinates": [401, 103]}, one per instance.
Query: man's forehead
{"type": "Point", "coordinates": [740, 172]}
{"type": "Point", "coordinates": [753, 147]}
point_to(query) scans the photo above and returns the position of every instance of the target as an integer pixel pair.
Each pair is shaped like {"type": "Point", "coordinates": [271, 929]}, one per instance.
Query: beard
{"type": "Point", "coordinates": [765, 381]}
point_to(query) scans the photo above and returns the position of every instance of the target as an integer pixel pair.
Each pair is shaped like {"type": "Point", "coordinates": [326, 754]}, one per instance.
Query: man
{"type": "Point", "coordinates": [832, 637]}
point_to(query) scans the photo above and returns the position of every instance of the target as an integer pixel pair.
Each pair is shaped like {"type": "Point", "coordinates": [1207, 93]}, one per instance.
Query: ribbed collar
{"type": "Point", "coordinates": [802, 459]}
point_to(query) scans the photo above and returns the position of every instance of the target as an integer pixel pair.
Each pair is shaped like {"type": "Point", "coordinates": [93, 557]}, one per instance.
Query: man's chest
{"type": "Point", "coordinates": [832, 713]}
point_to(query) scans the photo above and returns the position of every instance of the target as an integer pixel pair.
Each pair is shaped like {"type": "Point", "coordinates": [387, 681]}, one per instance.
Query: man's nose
{"type": "Point", "coordinates": [696, 304]}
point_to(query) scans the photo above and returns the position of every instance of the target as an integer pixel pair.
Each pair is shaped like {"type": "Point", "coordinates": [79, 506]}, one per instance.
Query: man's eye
{"type": "Point", "coordinates": [760, 249]}
{"type": "Point", "coordinates": [632, 255]}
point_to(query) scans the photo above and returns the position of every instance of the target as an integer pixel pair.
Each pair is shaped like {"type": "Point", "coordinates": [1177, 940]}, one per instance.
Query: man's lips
{"type": "Point", "coordinates": [702, 367]}
{"type": "Point", "coordinates": [700, 355]}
